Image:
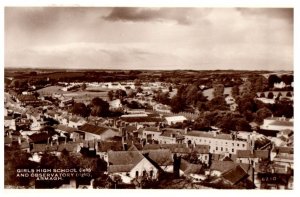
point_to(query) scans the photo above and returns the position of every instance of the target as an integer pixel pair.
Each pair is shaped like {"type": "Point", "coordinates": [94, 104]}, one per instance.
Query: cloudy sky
{"type": "Point", "coordinates": [149, 38]}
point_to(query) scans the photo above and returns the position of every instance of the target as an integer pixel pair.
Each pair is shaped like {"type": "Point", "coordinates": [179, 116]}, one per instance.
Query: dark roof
{"type": "Point", "coordinates": [153, 129]}
{"type": "Point", "coordinates": [7, 140]}
{"type": "Point", "coordinates": [161, 157]}
{"type": "Point", "coordinates": [39, 137]}
{"type": "Point", "coordinates": [209, 135]}
{"type": "Point", "coordinates": [130, 129]}
{"type": "Point", "coordinates": [105, 146]}
{"type": "Point", "coordinates": [124, 157]}
{"type": "Point", "coordinates": [22, 97]}
{"type": "Point", "coordinates": [24, 145]}
{"type": "Point", "coordinates": [235, 175]}
{"type": "Point", "coordinates": [65, 128]}
{"type": "Point", "coordinates": [282, 149]}
{"type": "Point", "coordinates": [70, 147]}
{"type": "Point", "coordinates": [201, 149]}
{"type": "Point", "coordinates": [43, 148]}
{"type": "Point", "coordinates": [222, 166]}
{"type": "Point", "coordinates": [120, 168]}
{"type": "Point", "coordinates": [189, 168]}
{"type": "Point", "coordinates": [93, 129]}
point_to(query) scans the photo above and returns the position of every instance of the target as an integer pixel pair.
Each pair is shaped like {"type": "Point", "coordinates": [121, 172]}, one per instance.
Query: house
{"type": "Point", "coordinates": [75, 122]}
{"type": "Point", "coordinates": [174, 119]}
{"type": "Point", "coordinates": [235, 175]}
{"type": "Point", "coordinates": [202, 152]}
{"type": "Point", "coordinates": [163, 159]}
{"type": "Point", "coordinates": [283, 156]}
{"type": "Point", "coordinates": [170, 136]}
{"type": "Point", "coordinates": [130, 165]}
{"type": "Point", "coordinates": [190, 170]}
{"type": "Point", "coordinates": [92, 132]}
{"type": "Point", "coordinates": [252, 157]}
{"type": "Point", "coordinates": [151, 133]}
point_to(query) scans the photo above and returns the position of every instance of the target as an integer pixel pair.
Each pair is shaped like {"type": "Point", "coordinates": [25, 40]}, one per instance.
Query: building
{"type": "Point", "coordinates": [278, 123]}
{"type": "Point", "coordinates": [92, 132]}
{"type": "Point", "coordinates": [218, 143]}
{"type": "Point", "coordinates": [130, 165]}
{"type": "Point", "coordinates": [174, 119]}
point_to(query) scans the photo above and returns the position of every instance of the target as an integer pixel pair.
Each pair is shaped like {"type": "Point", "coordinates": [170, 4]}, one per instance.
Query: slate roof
{"type": "Point", "coordinates": [201, 149]}
{"type": "Point", "coordinates": [124, 157]}
{"type": "Point", "coordinates": [39, 137]}
{"type": "Point", "coordinates": [222, 166]}
{"type": "Point", "coordinates": [93, 129]}
{"type": "Point", "coordinates": [120, 168]}
{"type": "Point", "coordinates": [70, 147]}
{"type": "Point", "coordinates": [152, 129]}
{"type": "Point", "coordinates": [264, 154]}
{"type": "Point", "coordinates": [208, 135]}
{"type": "Point", "coordinates": [43, 148]}
{"type": "Point", "coordinates": [189, 168]}
{"type": "Point", "coordinates": [161, 157]}
{"type": "Point", "coordinates": [65, 128]}
{"type": "Point", "coordinates": [235, 175]}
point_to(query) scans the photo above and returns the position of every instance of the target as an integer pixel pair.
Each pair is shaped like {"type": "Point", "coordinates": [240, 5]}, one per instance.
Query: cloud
{"type": "Point", "coordinates": [180, 15]}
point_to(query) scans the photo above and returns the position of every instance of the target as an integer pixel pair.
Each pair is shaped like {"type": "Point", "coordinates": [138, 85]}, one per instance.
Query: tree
{"type": "Point", "coordinates": [270, 95]}
{"type": "Point", "coordinates": [139, 90]}
{"type": "Point", "coordinates": [262, 95]}
{"type": "Point", "coordinates": [120, 94]}
{"type": "Point", "coordinates": [262, 113]}
{"type": "Point", "coordinates": [81, 109]}
{"type": "Point", "coordinates": [273, 79]}
{"type": "Point", "coordinates": [235, 91]}
{"type": "Point", "coordinates": [110, 95]}
{"type": "Point", "coordinates": [287, 79]}
{"type": "Point", "coordinates": [218, 90]}
{"type": "Point", "coordinates": [177, 104]}
{"type": "Point", "coordinates": [99, 107]}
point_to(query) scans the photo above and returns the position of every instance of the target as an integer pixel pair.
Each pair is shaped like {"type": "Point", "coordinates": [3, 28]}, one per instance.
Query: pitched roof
{"type": "Point", "coordinates": [208, 135]}
{"type": "Point", "coordinates": [162, 157]}
{"type": "Point", "coordinates": [39, 137]}
{"type": "Point", "coordinates": [235, 175]}
{"type": "Point", "coordinates": [153, 129]}
{"type": "Point", "coordinates": [7, 140]}
{"type": "Point", "coordinates": [189, 168]}
{"type": "Point", "coordinates": [70, 147]}
{"type": "Point", "coordinates": [124, 157]}
{"type": "Point", "coordinates": [43, 148]}
{"type": "Point", "coordinates": [201, 149]}
{"type": "Point", "coordinates": [120, 168]}
{"type": "Point", "coordinates": [93, 129]}
{"type": "Point", "coordinates": [222, 166]}
{"type": "Point", "coordinates": [65, 128]}
{"type": "Point", "coordinates": [130, 128]}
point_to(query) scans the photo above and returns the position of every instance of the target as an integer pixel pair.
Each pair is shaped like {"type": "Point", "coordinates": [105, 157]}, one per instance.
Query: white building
{"type": "Point", "coordinates": [278, 123]}
{"type": "Point", "coordinates": [175, 119]}
{"type": "Point", "coordinates": [218, 143]}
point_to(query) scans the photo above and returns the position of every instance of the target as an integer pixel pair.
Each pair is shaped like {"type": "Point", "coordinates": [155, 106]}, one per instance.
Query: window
{"type": "Point", "coordinates": [144, 173]}
{"type": "Point", "coordinates": [151, 173]}
{"type": "Point", "coordinates": [232, 150]}
{"type": "Point", "coordinates": [127, 174]}
{"type": "Point", "coordinates": [232, 144]}
{"type": "Point", "coordinates": [216, 148]}
{"type": "Point", "coordinates": [136, 173]}
{"type": "Point", "coordinates": [243, 145]}
{"type": "Point", "coordinates": [221, 148]}
{"type": "Point", "coordinates": [238, 144]}
{"type": "Point", "coordinates": [205, 157]}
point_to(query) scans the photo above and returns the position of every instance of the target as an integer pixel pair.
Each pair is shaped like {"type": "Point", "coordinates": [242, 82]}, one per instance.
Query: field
{"type": "Point", "coordinates": [79, 96]}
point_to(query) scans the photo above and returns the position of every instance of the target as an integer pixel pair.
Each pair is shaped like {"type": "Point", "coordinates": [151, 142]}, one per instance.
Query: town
{"type": "Point", "coordinates": [220, 129]}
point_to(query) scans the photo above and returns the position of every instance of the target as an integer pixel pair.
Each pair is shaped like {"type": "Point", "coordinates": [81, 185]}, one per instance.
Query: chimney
{"type": "Point", "coordinates": [176, 165]}
{"type": "Point", "coordinates": [48, 140]}
{"type": "Point", "coordinates": [19, 140]}
{"type": "Point", "coordinates": [92, 184]}
{"type": "Point", "coordinates": [51, 143]}
{"type": "Point", "coordinates": [214, 133]}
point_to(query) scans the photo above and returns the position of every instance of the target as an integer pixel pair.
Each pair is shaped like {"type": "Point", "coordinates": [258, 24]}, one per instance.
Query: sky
{"type": "Point", "coordinates": [149, 38]}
